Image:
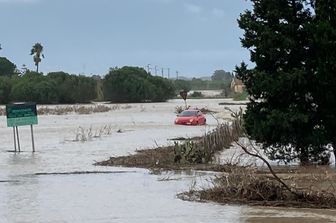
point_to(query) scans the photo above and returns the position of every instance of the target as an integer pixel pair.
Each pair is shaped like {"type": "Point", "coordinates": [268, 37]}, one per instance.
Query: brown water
{"type": "Point", "coordinates": [121, 194]}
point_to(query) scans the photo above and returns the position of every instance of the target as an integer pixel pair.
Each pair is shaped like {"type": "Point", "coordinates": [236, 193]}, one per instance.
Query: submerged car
{"type": "Point", "coordinates": [190, 117]}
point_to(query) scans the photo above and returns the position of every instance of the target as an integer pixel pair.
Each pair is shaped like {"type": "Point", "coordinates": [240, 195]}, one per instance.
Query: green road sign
{"type": "Point", "coordinates": [21, 114]}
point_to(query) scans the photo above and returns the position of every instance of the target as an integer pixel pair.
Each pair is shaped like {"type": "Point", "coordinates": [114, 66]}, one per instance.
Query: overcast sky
{"type": "Point", "coordinates": [194, 37]}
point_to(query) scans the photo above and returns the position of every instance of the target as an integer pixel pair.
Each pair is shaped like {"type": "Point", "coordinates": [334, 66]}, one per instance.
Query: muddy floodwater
{"type": "Point", "coordinates": [58, 183]}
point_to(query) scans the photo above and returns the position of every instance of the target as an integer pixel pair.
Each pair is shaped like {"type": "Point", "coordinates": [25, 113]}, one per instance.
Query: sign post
{"type": "Point", "coordinates": [17, 137]}
{"type": "Point", "coordinates": [184, 95]}
{"type": "Point", "coordinates": [14, 133]}
{"type": "Point", "coordinates": [20, 114]}
{"type": "Point", "coordinates": [32, 136]}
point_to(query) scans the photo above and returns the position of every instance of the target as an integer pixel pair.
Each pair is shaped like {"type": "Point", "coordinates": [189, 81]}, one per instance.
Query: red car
{"type": "Point", "coordinates": [190, 117]}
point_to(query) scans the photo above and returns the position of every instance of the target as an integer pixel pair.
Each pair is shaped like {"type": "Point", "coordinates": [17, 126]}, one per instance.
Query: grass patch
{"type": "Point", "coordinates": [240, 96]}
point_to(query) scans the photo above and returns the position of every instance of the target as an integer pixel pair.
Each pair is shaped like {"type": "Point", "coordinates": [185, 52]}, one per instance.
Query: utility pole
{"type": "Point", "coordinates": [168, 72]}
{"type": "Point", "coordinates": [162, 72]}
{"type": "Point", "coordinates": [177, 73]}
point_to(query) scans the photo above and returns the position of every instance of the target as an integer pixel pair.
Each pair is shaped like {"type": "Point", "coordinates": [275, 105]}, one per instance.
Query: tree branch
{"type": "Point", "coordinates": [269, 167]}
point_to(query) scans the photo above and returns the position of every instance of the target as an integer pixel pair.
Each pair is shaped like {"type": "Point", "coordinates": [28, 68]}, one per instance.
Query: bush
{"type": "Point", "coordinates": [74, 89]}
{"type": "Point", "coordinates": [196, 94]}
{"type": "Point", "coordinates": [57, 87]}
{"type": "Point", "coordinates": [133, 84]}
{"type": "Point", "coordinates": [5, 88]}
{"type": "Point", "coordinates": [33, 87]}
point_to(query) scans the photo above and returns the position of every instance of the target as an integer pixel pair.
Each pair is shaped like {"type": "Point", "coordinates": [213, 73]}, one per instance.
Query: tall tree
{"type": "Point", "coordinates": [37, 52]}
{"type": "Point", "coordinates": [325, 61]}
{"type": "Point", "coordinates": [281, 114]}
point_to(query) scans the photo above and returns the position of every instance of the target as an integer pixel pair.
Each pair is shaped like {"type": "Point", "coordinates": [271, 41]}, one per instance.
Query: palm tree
{"type": "Point", "coordinates": [37, 52]}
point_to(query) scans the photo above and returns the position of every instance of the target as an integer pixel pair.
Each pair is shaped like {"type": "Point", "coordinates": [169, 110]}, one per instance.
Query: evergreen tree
{"type": "Point", "coordinates": [281, 114]}
{"type": "Point", "coordinates": [325, 62]}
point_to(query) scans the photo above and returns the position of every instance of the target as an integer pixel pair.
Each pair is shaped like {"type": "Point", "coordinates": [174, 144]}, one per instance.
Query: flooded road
{"type": "Point", "coordinates": [32, 191]}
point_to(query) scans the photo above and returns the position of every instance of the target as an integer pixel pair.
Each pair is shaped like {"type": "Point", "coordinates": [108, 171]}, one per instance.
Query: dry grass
{"type": "Point", "coordinates": [58, 110]}
{"type": "Point", "coordinates": [161, 158]}
{"type": "Point", "coordinates": [83, 134]}
{"type": "Point", "coordinates": [79, 109]}
{"type": "Point", "coordinates": [74, 109]}
{"type": "Point", "coordinates": [250, 186]}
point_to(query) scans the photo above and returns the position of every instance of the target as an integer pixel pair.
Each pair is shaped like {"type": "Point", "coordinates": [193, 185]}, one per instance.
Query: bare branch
{"type": "Point", "coordinates": [269, 167]}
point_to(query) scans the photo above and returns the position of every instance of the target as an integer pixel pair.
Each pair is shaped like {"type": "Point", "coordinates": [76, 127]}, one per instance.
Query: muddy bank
{"type": "Point", "coordinates": [313, 187]}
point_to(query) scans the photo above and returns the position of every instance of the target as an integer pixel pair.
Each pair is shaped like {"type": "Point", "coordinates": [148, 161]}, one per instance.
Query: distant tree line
{"type": "Point", "coordinates": [126, 84]}
{"type": "Point", "coordinates": [60, 87]}
{"type": "Point", "coordinates": [57, 87]}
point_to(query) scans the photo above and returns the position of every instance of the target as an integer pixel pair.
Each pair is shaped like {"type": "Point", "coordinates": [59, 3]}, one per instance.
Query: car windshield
{"type": "Point", "coordinates": [188, 113]}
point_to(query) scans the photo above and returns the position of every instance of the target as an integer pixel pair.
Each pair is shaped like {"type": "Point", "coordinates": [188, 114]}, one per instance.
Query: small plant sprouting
{"type": "Point", "coordinates": [84, 135]}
